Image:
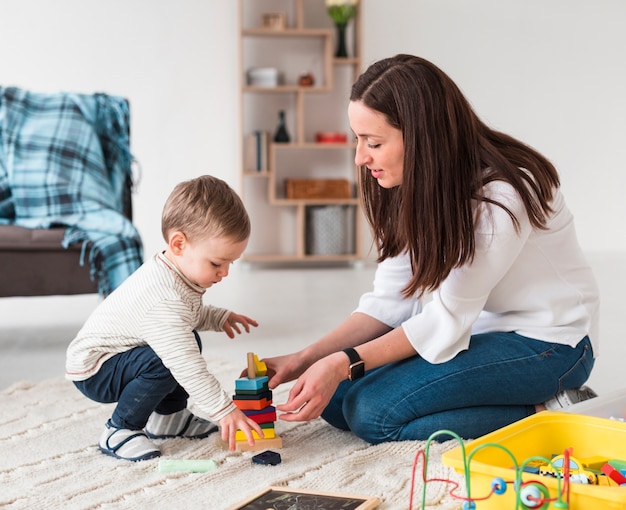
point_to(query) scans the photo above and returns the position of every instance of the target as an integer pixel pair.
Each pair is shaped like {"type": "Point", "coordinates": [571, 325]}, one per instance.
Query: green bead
{"type": "Point", "coordinates": [560, 504]}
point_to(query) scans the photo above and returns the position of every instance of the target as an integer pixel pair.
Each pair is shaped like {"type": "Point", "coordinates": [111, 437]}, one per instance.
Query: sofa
{"type": "Point", "coordinates": [65, 194]}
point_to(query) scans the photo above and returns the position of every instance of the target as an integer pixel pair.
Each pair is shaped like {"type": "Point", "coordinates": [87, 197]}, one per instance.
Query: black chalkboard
{"type": "Point", "coordinates": [282, 498]}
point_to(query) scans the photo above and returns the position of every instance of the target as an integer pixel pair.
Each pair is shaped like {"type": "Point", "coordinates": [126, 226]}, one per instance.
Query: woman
{"type": "Point", "coordinates": [475, 220]}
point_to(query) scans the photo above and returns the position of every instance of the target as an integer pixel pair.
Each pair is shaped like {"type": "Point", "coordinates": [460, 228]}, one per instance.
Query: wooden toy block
{"type": "Point", "coordinates": [263, 389]}
{"type": "Point", "coordinates": [267, 458]}
{"type": "Point", "coordinates": [267, 434]}
{"type": "Point", "coordinates": [244, 383]}
{"type": "Point", "coordinates": [264, 426]}
{"type": "Point", "coordinates": [268, 409]}
{"type": "Point", "coordinates": [607, 481]}
{"type": "Point", "coordinates": [251, 366]}
{"type": "Point", "coordinates": [252, 404]}
{"type": "Point", "coordinates": [260, 366]}
{"type": "Point", "coordinates": [254, 398]}
{"type": "Point", "coordinates": [261, 418]}
{"type": "Point", "coordinates": [613, 474]}
{"type": "Point", "coordinates": [258, 396]}
{"type": "Point", "coordinates": [259, 444]}
{"type": "Point", "coordinates": [256, 368]}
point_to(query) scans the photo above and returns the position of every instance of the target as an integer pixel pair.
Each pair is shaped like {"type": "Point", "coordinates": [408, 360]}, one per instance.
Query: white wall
{"type": "Point", "coordinates": [176, 61]}
{"type": "Point", "coordinates": [548, 71]}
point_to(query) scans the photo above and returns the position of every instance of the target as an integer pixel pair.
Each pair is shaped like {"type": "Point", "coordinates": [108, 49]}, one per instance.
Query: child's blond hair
{"type": "Point", "coordinates": [205, 207]}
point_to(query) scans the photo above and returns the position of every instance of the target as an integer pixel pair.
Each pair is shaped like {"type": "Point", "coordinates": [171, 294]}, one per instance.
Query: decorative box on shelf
{"type": "Point", "coordinates": [317, 188]}
{"type": "Point", "coordinates": [274, 20]}
{"type": "Point", "coordinates": [263, 77]}
{"type": "Point", "coordinates": [331, 137]}
{"type": "Point", "coordinates": [330, 230]}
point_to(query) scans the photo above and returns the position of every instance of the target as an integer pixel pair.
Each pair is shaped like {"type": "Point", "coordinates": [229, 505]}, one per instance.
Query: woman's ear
{"type": "Point", "coordinates": [177, 242]}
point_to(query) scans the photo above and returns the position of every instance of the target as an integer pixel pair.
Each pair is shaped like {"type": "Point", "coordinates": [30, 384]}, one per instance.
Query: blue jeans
{"type": "Point", "coordinates": [140, 384]}
{"type": "Point", "coordinates": [497, 381]}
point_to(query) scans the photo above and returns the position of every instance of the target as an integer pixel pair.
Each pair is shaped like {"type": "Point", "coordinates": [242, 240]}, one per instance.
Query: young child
{"type": "Point", "coordinates": [140, 347]}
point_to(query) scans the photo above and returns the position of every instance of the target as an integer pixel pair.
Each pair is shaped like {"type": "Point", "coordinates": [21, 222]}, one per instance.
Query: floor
{"type": "Point", "coordinates": [293, 307]}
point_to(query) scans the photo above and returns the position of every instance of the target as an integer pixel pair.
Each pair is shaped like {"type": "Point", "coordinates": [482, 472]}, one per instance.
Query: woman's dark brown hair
{"type": "Point", "coordinates": [449, 155]}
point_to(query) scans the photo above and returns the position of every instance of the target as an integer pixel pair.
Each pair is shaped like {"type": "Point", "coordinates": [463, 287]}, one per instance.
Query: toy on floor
{"type": "Point", "coordinates": [186, 465]}
{"type": "Point", "coordinates": [531, 494]}
{"type": "Point", "coordinates": [267, 458]}
{"type": "Point", "coordinates": [254, 398]}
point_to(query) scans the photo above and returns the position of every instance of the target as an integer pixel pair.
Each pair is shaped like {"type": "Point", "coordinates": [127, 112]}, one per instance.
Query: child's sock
{"type": "Point", "coordinates": [570, 397]}
{"type": "Point", "coordinates": [125, 444]}
{"type": "Point", "coordinates": [180, 424]}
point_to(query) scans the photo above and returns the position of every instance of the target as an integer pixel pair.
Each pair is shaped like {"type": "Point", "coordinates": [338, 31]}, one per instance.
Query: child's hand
{"type": "Point", "coordinates": [232, 321]}
{"type": "Point", "coordinates": [234, 421]}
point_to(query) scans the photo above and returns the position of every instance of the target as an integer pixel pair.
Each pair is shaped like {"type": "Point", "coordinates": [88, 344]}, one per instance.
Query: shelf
{"type": "Point", "coordinates": [287, 32]}
{"type": "Point", "coordinates": [314, 146]}
{"type": "Point", "coordinates": [282, 89]}
{"type": "Point", "coordinates": [286, 230]}
{"type": "Point", "coordinates": [314, 201]}
{"type": "Point", "coordinates": [282, 258]}
{"type": "Point", "coordinates": [351, 61]}
{"type": "Point", "coordinates": [256, 173]}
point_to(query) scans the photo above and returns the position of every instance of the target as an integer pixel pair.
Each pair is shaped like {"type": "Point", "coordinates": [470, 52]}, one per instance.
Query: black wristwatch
{"type": "Point", "coordinates": [357, 365]}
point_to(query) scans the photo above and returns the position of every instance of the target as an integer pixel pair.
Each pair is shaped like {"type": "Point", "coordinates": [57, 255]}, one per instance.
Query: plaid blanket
{"type": "Point", "coordinates": [65, 161]}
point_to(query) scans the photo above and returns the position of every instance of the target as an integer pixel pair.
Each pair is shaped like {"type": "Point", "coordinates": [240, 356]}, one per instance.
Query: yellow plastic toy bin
{"type": "Point", "coordinates": [542, 435]}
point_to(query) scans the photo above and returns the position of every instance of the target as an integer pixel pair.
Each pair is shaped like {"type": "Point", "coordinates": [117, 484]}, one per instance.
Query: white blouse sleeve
{"type": "Point", "coordinates": [386, 302]}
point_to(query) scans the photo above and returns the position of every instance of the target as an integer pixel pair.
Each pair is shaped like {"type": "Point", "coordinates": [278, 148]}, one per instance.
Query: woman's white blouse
{"type": "Point", "coordinates": [534, 282]}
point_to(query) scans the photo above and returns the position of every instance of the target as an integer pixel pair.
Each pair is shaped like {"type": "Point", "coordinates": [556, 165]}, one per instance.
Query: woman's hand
{"type": "Point", "coordinates": [314, 389]}
{"type": "Point", "coordinates": [282, 369]}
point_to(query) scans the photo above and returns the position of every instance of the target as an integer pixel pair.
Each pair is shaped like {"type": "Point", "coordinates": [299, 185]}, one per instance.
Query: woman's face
{"type": "Point", "coordinates": [379, 145]}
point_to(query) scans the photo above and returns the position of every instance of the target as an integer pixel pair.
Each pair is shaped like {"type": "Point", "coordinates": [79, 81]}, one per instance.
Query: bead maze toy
{"type": "Point", "coordinates": [254, 398]}
{"type": "Point", "coordinates": [550, 460]}
{"type": "Point", "coordinates": [529, 494]}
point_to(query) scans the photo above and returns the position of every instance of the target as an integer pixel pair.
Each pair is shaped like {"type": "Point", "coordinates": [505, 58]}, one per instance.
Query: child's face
{"type": "Point", "coordinates": [206, 261]}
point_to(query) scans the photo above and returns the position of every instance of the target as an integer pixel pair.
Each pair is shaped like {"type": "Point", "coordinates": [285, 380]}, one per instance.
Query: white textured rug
{"type": "Point", "coordinates": [49, 459]}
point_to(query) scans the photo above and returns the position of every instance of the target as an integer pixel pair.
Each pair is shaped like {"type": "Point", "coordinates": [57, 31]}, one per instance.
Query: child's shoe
{"type": "Point", "coordinates": [181, 424]}
{"type": "Point", "coordinates": [126, 444]}
{"type": "Point", "coordinates": [567, 398]}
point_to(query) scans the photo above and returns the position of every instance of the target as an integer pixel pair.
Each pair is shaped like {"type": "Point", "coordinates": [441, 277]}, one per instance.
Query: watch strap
{"type": "Point", "coordinates": [357, 365]}
{"type": "Point", "coordinates": [353, 356]}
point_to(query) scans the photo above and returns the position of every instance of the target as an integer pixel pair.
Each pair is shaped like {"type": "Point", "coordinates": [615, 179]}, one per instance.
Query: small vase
{"type": "Point", "coordinates": [342, 49]}
{"type": "Point", "coordinates": [281, 135]}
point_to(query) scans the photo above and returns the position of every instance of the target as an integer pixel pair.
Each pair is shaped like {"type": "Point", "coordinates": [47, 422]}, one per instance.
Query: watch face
{"type": "Point", "coordinates": [357, 370]}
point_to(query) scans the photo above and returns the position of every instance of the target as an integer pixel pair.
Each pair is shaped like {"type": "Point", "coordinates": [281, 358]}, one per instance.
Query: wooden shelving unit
{"type": "Point", "coordinates": [286, 229]}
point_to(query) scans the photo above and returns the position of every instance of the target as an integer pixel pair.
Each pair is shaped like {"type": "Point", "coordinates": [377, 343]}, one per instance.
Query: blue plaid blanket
{"type": "Point", "coordinates": [64, 161]}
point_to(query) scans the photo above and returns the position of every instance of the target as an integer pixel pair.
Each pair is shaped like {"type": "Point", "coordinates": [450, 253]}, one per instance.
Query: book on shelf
{"type": "Point", "coordinates": [255, 151]}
